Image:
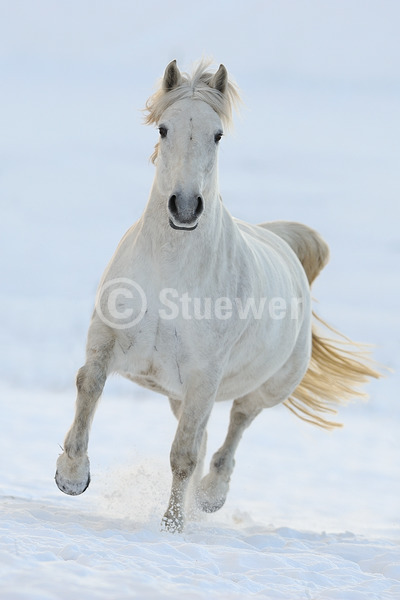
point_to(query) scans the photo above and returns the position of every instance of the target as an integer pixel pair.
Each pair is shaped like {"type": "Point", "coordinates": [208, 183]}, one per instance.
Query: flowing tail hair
{"type": "Point", "coordinates": [337, 369]}
{"type": "Point", "coordinates": [338, 366]}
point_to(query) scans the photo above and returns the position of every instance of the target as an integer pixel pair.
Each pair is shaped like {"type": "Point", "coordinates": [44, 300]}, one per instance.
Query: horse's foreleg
{"type": "Point", "coordinates": [185, 454]}
{"type": "Point", "coordinates": [176, 406]}
{"type": "Point", "coordinates": [213, 489]}
{"type": "Point", "coordinates": [73, 468]}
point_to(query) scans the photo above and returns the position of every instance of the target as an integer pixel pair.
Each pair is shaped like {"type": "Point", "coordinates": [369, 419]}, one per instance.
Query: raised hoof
{"type": "Point", "coordinates": [69, 487]}
{"type": "Point", "coordinates": [209, 506]}
{"type": "Point", "coordinates": [72, 475]}
{"type": "Point", "coordinates": [212, 493]}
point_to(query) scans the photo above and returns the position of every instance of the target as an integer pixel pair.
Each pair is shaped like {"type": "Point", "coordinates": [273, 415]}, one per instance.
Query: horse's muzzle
{"type": "Point", "coordinates": [184, 211]}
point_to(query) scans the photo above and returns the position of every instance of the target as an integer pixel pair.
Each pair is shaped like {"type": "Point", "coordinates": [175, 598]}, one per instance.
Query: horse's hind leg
{"type": "Point", "coordinates": [73, 469]}
{"type": "Point", "coordinates": [213, 489]}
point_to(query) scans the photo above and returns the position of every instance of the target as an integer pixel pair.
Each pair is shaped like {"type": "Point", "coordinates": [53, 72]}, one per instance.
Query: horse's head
{"type": "Point", "coordinates": [189, 113]}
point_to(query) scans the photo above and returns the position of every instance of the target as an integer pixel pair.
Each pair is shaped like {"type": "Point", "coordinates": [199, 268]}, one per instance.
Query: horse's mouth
{"type": "Point", "coordinates": [182, 228]}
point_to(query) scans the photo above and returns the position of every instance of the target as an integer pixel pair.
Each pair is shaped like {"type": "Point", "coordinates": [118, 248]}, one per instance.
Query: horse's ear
{"type": "Point", "coordinates": [172, 76]}
{"type": "Point", "coordinates": [219, 80]}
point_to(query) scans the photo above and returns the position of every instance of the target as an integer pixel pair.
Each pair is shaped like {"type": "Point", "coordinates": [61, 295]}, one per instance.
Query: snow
{"type": "Point", "coordinates": [310, 514]}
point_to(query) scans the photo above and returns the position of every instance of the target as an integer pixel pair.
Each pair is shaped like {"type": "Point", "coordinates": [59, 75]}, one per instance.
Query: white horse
{"type": "Point", "coordinates": [202, 307]}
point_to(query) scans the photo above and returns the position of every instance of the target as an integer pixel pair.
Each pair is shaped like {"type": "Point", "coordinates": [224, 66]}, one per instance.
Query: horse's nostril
{"type": "Point", "coordinates": [200, 206]}
{"type": "Point", "coordinates": [172, 205]}
{"type": "Point", "coordinates": [185, 209]}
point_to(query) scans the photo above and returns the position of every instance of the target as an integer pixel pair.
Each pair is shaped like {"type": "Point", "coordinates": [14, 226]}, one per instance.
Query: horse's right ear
{"type": "Point", "coordinates": [172, 77]}
{"type": "Point", "coordinates": [219, 80]}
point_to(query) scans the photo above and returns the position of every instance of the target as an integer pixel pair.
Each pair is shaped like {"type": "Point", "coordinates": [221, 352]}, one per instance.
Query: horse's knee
{"type": "Point", "coordinates": [183, 463]}
{"type": "Point", "coordinates": [90, 379]}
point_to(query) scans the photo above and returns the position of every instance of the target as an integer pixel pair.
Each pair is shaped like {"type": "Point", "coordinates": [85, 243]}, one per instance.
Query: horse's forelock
{"type": "Point", "coordinates": [196, 86]}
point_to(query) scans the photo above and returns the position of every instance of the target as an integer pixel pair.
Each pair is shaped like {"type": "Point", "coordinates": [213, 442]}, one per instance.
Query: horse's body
{"type": "Point", "coordinates": [232, 351]}
{"type": "Point", "coordinates": [206, 307]}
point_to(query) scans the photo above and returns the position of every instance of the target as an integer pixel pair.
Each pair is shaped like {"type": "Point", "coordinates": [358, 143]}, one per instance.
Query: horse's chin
{"type": "Point", "coordinates": [180, 228]}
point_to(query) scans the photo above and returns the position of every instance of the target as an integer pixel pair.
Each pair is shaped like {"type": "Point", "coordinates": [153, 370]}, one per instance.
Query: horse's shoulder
{"type": "Point", "coordinates": [126, 247]}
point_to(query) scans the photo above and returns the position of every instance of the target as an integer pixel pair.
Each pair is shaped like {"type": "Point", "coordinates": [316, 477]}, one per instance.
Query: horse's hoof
{"type": "Point", "coordinates": [209, 506]}
{"type": "Point", "coordinates": [72, 475]}
{"type": "Point", "coordinates": [211, 494]}
{"type": "Point", "coordinates": [72, 488]}
{"type": "Point", "coordinates": [171, 523]}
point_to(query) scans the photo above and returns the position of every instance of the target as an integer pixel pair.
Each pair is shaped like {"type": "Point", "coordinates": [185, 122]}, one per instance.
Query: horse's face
{"type": "Point", "coordinates": [187, 161]}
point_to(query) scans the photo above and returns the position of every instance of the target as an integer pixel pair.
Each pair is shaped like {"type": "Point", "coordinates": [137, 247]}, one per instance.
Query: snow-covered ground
{"type": "Point", "coordinates": [310, 514]}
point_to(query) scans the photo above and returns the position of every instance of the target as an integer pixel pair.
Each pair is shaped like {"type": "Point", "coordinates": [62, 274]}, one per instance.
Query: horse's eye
{"type": "Point", "coordinates": [218, 136]}
{"type": "Point", "coordinates": [163, 131]}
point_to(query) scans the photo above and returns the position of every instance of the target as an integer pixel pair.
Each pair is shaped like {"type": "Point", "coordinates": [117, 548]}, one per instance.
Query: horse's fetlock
{"type": "Point", "coordinates": [219, 463]}
{"type": "Point", "coordinates": [74, 449]}
{"type": "Point", "coordinates": [183, 464]}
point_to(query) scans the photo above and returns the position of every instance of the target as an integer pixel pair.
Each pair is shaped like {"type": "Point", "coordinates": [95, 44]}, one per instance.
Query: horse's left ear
{"type": "Point", "coordinates": [219, 80]}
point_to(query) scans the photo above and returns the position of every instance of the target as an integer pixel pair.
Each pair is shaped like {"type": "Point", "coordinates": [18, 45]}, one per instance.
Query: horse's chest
{"type": "Point", "coordinates": [154, 355]}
